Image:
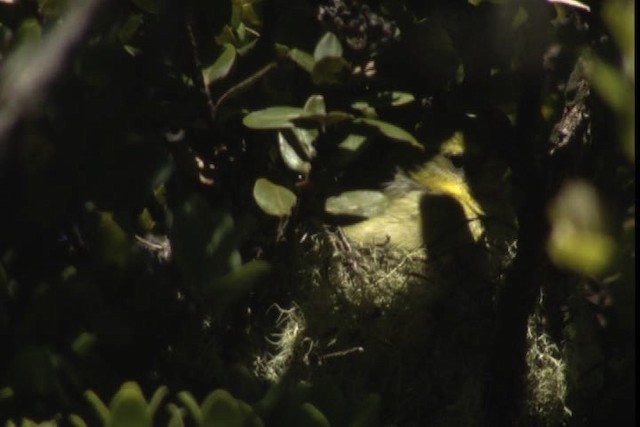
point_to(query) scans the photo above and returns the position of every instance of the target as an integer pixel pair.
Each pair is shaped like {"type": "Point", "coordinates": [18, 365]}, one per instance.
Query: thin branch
{"type": "Point", "coordinates": [244, 85]}
{"type": "Point", "coordinates": [199, 67]}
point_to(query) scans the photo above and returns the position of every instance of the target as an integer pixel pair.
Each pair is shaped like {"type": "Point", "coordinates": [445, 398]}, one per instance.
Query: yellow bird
{"type": "Point", "coordinates": [402, 223]}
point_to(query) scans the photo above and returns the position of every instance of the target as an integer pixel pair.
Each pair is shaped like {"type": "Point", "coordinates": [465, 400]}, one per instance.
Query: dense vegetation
{"type": "Point", "coordinates": [298, 212]}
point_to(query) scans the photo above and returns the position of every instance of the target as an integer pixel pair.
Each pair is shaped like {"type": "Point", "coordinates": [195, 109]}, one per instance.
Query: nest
{"type": "Point", "coordinates": [402, 323]}
{"type": "Point", "coordinates": [383, 319]}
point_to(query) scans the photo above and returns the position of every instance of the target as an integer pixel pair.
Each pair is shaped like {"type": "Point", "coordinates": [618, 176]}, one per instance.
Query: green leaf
{"type": "Point", "coordinates": [310, 416]}
{"type": "Point", "coordinates": [98, 405]}
{"type": "Point", "coordinates": [328, 46]}
{"type": "Point", "coordinates": [157, 397]}
{"type": "Point", "coordinates": [306, 138]}
{"type": "Point", "coordinates": [273, 118]}
{"type": "Point", "coordinates": [272, 198]}
{"type": "Point", "coordinates": [251, 419]}
{"type": "Point", "coordinates": [222, 66]}
{"type": "Point", "coordinates": [114, 246]}
{"type": "Point", "coordinates": [315, 105]}
{"type": "Point", "coordinates": [76, 421]}
{"type": "Point", "coordinates": [220, 409]}
{"type": "Point", "coordinates": [400, 98]}
{"type": "Point", "coordinates": [383, 99]}
{"type": "Point", "coordinates": [352, 142]}
{"type": "Point", "coordinates": [129, 408]}
{"type": "Point", "coordinates": [291, 157]}
{"type": "Point", "coordinates": [391, 131]}
{"type": "Point", "coordinates": [362, 203]}
{"type": "Point", "coordinates": [365, 108]}
{"type": "Point", "coordinates": [330, 70]}
{"type": "Point", "coordinates": [610, 84]}
{"type": "Point", "coordinates": [303, 59]}
{"type": "Point", "coordinates": [83, 343]}
{"type": "Point", "coordinates": [175, 415]}
{"type": "Point", "coordinates": [578, 240]}
{"type": "Point", "coordinates": [331, 118]}
{"type": "Point", "coordinates": [192, 406]}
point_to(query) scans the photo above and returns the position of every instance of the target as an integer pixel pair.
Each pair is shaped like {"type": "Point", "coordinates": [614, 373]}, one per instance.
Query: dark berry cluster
{"type": "Point", "coordinates": [357, 24]}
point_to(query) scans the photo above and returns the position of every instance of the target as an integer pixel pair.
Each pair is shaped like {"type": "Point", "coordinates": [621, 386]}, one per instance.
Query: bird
{"type": "Point", "coordinates": [424, 204]}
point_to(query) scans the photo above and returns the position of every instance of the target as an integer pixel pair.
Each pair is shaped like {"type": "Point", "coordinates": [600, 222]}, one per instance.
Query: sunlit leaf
{"type": "Point", "coordinates": [76, 421]}
{"type": "Point", "coordinates": [291, 157]}
{"type": "Point", "coordinates": [315, 105]}
{"type": "Point", "coordinates": [272, 198]}
{"type": "Point", "coordinates": [222, 66]}
{"type": "Point", "coordinates": [352, 142]}
{"type": "Point", "coordinates": [365, 108]}
{"type": "Point", "coordinates": [249, 15]}
{"type": "Point", "coordinates": [401, 98]}
{"type": "Point", "coordinates": [129, 408]}
{"type": "Point", "coordinates": [273, 118]}
{"type": "Point", "coordinates": [331, 118]}
{"type": "Point", "coordinates": [362, 203]}
{"type": "Point", "coordinates": [306, 138]}
{"type": "Point", "coordinates": [328, 46]}
{"type": "Point", "coordinates": [391, 131]}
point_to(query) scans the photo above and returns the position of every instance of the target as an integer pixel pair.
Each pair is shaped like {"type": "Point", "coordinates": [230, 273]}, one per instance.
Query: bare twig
{"type": "Point", "coordinates": [243, 85]}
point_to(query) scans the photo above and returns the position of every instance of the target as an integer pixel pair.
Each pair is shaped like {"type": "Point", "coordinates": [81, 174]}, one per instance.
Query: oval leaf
{"type": "Point", "coordinates": [129, 408]}
{"type": "Point", "coordinates": [362, 203]}
{"type": "Point", "coordinates": [391, 131]}
{"type": "Point", "coordinates": [221, 409]}
{"type": "Point", "coordinates": [221, 68]}
{"type": "Point", "coordinates": [330, 70]}
{"type": "Point", "coordinates": [272, 198]}
{"type": "Point", "coordinates": [291, 157]}
{"type": "Point", "coordinates": [312, 417]}
{"type": "Point", "coordinates": [315, 105]}
{"type": "Point", "coordinates": [331, 118]}
{"type": "Point", "coordinates": [303, 59]}
{"type": "Point", "coordinates": [328, 46]}
{"type": "Point", "coordinates": [273, 118]}
{"type": "Point", "coordinates": [306, 138]}
{"type": "Point", "coordinates": [401, 98]}
{"type": "Point", "coordinates": [352, 142]}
